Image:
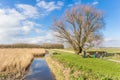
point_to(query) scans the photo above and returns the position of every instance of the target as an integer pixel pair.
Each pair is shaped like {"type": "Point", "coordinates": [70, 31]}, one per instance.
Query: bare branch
{"type": "Point", "coordinates": [80, 26]}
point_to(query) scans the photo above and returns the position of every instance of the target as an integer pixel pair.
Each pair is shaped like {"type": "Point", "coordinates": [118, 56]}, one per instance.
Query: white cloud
{"type": "Point", "coordinates": [17, 24]}
{"type": "Point", "coordinates": [95, 3]}
{"type": "Point", "coordinates": [38, 31]}
{"type": "Point", "coordinates": [46, 38]}
{"type": "Point", "coordinates": [75, 2]}
{"type": "Point", "coordinates": [49, 6]}
{"type": "Point", "coordinates": [111, 42]}
{"type": "Point", "coordinates": [28, 10]}
{"type": "Point", "coordinates": [9, 23]}
{"type": "Point", "coordinates": [13, 25]}
{"type": "Point", "coordinates": [70, 5]}
{"type": "Point", "coordinates": [27, 26]}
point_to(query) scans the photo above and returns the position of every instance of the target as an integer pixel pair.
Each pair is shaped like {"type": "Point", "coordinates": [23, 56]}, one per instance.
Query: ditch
{"type": "Point", "coordinates": [39, 70]}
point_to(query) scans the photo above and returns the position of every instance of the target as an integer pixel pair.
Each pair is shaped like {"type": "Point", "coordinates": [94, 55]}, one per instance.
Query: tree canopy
{"type": "Point", "coordinates": [80, 26]}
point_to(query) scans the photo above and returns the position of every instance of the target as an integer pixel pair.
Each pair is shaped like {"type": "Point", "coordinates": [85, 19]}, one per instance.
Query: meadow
{"type": "Point", "coordinates": [108, 50]}
{"type": "Point", "coordinates": [87, 68]}
{"type": "Point", "coordinates": [14, 62]}
{"type": "Point", "coordinates": [112, 53]}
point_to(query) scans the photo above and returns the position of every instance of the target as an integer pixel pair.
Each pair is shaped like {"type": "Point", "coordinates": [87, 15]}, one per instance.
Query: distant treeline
{"type": "Point", "coordinates": [24, 45]}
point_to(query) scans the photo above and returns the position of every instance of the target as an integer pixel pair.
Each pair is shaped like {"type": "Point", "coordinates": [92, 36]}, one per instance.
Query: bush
{"type": "Point", "coordinates": [55, 53]}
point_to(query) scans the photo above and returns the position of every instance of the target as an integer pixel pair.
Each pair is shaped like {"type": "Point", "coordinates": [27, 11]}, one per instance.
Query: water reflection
{"type": "Point", "coordinates": [39, 70]}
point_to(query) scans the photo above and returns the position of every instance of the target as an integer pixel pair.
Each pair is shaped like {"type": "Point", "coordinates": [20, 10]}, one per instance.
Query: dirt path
{"type": "Point", "coordinates": [118, 61]}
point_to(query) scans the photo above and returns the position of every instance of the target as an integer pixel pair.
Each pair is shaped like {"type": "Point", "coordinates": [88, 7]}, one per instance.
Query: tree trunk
{"type": "Point", "coordinates": [78, 50]}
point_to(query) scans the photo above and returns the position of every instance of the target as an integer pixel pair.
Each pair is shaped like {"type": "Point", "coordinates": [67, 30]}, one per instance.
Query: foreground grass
{"type": "Point", "coordinates": [14, 62]}
{"type": "Point", "coordinates": [88, 68]}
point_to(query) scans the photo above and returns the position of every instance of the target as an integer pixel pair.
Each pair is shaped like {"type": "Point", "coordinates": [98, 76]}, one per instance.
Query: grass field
{"type": "Point", "coordinates": [108, 50]}
{"type": "Point", "coordinates": [15, 61]}
{"type": "Point", "coordinates": [112, 53]}
{"type": "Point", "coordinates": [88, 68]}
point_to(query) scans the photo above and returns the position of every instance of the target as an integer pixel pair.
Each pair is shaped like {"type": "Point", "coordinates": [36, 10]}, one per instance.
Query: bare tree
{"type": "Point", "coordinates": [80, 26]}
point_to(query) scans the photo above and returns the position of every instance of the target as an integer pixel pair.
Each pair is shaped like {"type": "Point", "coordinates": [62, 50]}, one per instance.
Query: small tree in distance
{"type": "Point", "coordinates": [80, 26]}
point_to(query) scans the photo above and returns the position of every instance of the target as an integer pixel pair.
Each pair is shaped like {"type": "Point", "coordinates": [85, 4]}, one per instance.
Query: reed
{"type": "Point", "coordinates": [16, 61]}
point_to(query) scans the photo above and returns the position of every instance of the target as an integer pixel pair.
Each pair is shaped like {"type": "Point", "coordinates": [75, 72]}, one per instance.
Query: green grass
{"type": "Point", "coordinates": [89, 68]}
{"type": "Point", "coordinates": [108, 50]}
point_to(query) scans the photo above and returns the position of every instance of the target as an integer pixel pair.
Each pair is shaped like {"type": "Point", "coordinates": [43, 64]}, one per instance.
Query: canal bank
{"type": "Point", "coordinates": [59, 71]}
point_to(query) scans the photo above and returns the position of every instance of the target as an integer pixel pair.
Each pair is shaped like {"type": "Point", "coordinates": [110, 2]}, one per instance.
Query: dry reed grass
{"type": "Point", "coordinates": [16, 60]}
{"type": "Point", "coordinates": [57, 69]}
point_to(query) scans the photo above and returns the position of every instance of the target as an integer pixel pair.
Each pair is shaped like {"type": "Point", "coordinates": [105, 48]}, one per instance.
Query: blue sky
{"type": "Point", "coordinates": [29, 21]}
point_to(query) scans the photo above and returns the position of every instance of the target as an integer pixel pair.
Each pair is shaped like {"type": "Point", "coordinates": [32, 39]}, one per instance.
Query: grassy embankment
{"type": "Point", "coordinates": [78, 68]}
{"type": "Point", "coordinates": [114, 51]}
{"type": "Point", "coordinates": [14, 62]}
{"type": "Point", "coordinates": [108, 50]}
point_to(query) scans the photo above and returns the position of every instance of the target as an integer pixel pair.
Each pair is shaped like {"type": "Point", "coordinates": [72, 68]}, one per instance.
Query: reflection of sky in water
{"type": "Point", "coordinates": [39, 70]}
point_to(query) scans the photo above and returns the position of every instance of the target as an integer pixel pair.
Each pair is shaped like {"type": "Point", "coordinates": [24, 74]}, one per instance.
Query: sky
{"type": "Point", "coordinates": [29, 21]}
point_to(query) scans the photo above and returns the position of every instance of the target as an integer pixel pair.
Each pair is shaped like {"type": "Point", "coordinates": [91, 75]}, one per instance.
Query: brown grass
{"type": "Point", "coordinates": [56, 68]}
{"type": "Point", "coordinates": [16, 60]}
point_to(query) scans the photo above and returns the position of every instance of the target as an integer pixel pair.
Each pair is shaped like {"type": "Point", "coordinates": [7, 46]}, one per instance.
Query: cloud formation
{"type": "Point", "coordinates": [49, 6]}
{"type": "Point", "coordinates": [9, 23]}
{"type": "Point", "coordinates": [18, 24]}
{"type": "Point", "coordinates": [14, 24]}
{"type": "Point", "coordinates": [46, 38]}
{"type": "Point", "coordinates": [95, 3]}
{"type": "Point", "coordinates": [75, 2]}
{"type": "Point", "coordinates": [111, 43]}
{"type": "Point", "coordinates": [27, 10]}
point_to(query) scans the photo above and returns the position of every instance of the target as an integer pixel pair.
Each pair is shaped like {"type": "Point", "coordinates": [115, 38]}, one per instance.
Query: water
{"type": "Point", "coordinates": [39, 70]}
